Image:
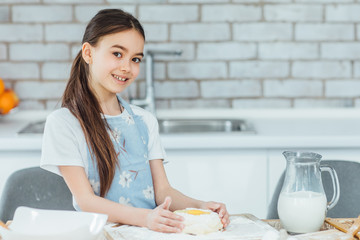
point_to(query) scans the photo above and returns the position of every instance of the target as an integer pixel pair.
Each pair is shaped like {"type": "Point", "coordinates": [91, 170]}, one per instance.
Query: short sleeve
{"type": "Point", "coordinates": [156, 150]}
{"type": "Point", "coordinates": [61, 145]}
{"type": "Point", "coordinates": [155, 147]}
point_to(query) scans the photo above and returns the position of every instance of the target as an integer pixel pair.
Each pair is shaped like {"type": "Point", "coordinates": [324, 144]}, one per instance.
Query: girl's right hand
{"type": "Point", "coordinates": [161, 219]}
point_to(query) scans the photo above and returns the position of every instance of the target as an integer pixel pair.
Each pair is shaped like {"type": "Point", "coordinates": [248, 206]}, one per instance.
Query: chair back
{"type": "Point", "coordinates": [349, 178]}
{"type": "Point", "coordinates": [34, 187]}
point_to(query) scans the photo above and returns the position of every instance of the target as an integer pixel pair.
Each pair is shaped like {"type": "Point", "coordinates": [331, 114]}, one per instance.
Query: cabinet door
{"type": "Point", "coordinates": [234, 177]}
{"type": "Point", "coordinates": [12, 161]}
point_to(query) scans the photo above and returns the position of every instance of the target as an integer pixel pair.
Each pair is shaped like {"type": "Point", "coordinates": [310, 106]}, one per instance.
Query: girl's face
{"type": "Point", "coordinates": [114, 62]}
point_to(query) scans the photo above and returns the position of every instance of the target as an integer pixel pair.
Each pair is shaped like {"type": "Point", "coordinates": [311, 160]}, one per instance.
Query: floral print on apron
{"type": "Point", "coordinates": [132, 184]}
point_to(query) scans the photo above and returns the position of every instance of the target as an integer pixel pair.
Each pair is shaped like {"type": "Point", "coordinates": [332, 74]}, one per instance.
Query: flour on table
{"type": "Point", "coordinates": [239, 228]}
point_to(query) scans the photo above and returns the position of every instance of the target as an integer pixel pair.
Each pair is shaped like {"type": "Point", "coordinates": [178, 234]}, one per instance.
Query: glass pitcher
{"type": "Point", "coordinates": [302, 203]}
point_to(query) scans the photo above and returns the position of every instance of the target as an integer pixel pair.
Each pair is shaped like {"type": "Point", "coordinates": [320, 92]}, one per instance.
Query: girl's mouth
{"type": "Point", "coordinates": [119, 78]}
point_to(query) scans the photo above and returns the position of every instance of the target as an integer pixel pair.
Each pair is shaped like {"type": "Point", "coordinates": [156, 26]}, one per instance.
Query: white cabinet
{"type": "Point", "coordinates": [11, 161]}
{"type": "Point", "coordinates": [243, 179]}
{"type": "Point", "coordinates": [235, 177]}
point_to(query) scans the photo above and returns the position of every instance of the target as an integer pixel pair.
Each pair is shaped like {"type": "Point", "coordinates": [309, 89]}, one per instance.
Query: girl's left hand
{"type": "Point", "coordinates": [219, 208]}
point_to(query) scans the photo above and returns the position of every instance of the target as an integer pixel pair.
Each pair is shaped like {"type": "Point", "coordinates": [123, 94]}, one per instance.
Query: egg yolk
{"type": "Point", "coordinates": [196, 212]}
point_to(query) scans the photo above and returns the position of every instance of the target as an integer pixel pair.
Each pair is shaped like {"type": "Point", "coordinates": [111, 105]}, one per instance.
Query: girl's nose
{"type": "Point", "coordinates": [125, 66]}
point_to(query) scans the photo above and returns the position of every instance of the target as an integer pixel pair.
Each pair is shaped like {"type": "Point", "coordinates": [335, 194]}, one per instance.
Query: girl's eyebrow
{"type": "Point", "coordinates": [125, 49]}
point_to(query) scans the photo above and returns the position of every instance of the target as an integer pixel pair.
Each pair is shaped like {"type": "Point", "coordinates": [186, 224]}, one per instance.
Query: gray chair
{"type": "Point", "coordinates": [34, 187]}
{"type": "Point", "coordinates": [349, 178]}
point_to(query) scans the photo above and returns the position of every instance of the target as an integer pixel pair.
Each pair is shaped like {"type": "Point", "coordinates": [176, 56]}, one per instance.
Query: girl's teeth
{"type": "Point", "coordinates": [119, 78]}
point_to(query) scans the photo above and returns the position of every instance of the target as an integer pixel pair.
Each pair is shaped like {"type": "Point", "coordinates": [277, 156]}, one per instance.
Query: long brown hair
{"type": "Point", "coordinates": [82, 102]}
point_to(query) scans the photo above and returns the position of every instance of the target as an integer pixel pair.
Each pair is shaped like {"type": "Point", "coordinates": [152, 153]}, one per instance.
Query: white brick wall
{"type": "Point", "coordinates": [20, 1]}
{"type": "Point", "coordinates": [357, 103]}
{"type": "Point", "coordinates": [157, 32]}
{"type": "Point", "coordinates": [350, 50]}
{"type": "Point", "coordinates": [236, 53]}
{"type": "Point", "coordinates": [176, 89]}
{"type": "Point", "coordinates": [55, 70]}
{"type": "Point", "coordinates": [292, 88]}
{"type": "Point", "coordinates": [357, 70]}
{"type": "Point", "coordinates": [323, 69]}
{"type": "Point", "coordinates": [288, 50]}
{"type": "Point", "coordinates": [343, 13]}
{"type": "Point", "coordinates": [261, 103]}
{"type": "Point", "coordinates": [259, 69]}
{"type": "Point", "coordinates": [342, 88]}
{"type": "Point", "coordinates": [188, 51]}
{"type": "Point", "coordinates": [40, 90]}
{"type": "Point", "coordinates": [323, 103]}
{"type": "Point", "coordinates": [3, 52]}
{"type": "Point", "coordinates": [168, 13]}
{"type": "Point", "coordinates": [262, 31]}
{"type": "Point", "coordinates": [197, 70]}
{"type": "Point", "coordinates": [200, 103]}
{"type": "Point", "coordinates": [19, 71]}
{"type": "Point", "coordinates": [230, 88]}
{"type": "Point", "coordinates": [73, 1]}
{"type": "Point", "coordinates": [4, 14]}
{"type": "Point", "coordinates": [39, 52]}
{"type": "Point", "coordinates": [84, 13]}
{"type": "Point", "coordinates": [324, 1]}
{"type": "Point", "coordinates": [293, 13]}
{"type": "Point", "coordinates": [226, 51]}
{"type": "Point", "coordinates": [230, 12]}
{"type": "Point", "coordinates": [36, 13]}
{"type": "Point", "coordinates": [200, 32]}
{"type": "Point", "coordinates": [159, 71]}
{"type": "Point", "coordinates": [324, 32]}
{"type": "Point", "coordinates": [199, 1]}
{"type": "Point", "coordinates": [21, 33]}
{"type": "Point", "coordinates": [64, 32]}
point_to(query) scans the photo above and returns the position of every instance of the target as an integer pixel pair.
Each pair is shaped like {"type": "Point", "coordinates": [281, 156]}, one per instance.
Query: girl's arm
{"type": "Point", "coordinates": [158, 219]}
{"type": "Point", "coordinates": [163, 189]}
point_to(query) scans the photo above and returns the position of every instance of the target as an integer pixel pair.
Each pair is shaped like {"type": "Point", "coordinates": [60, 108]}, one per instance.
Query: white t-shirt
{"type": "Point", "coordinates": [64, 142]}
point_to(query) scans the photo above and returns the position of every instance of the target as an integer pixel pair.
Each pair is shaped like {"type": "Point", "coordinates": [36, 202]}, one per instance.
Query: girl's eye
{"type": "Point", "coordinates": [137, 60]}
{"type": "Point", "coordinates": [117, 54]}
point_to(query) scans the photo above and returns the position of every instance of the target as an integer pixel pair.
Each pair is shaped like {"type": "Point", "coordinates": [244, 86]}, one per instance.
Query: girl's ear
{"type": "Point", "coordinates": [86, 52]}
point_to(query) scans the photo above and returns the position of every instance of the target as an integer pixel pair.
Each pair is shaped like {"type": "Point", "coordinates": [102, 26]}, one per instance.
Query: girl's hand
{"type": "Point", "coordinates": [162, 220]}
{"type": "Point", "coordinates": [219, 208]}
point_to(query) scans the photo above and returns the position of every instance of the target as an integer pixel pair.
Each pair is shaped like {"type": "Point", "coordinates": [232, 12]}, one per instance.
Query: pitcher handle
{"type": "Point", "coordinates": [336, 185]}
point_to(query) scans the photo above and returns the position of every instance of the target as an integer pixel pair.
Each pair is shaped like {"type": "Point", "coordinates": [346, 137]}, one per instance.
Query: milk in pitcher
{"type": "Point", "coordinates": [302, 211]}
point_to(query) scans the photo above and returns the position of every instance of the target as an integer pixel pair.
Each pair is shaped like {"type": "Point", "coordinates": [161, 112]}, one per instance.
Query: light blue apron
{"type": "Point", "coordinates": [132, 184]}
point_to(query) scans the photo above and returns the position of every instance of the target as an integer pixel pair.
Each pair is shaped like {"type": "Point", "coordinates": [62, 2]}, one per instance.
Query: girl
{"type": "Point", "coordinates": [108, 151]}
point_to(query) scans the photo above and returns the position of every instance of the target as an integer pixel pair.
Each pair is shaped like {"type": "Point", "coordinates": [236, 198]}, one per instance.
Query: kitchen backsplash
{"type": "Point", "coordinates": [236, 53]}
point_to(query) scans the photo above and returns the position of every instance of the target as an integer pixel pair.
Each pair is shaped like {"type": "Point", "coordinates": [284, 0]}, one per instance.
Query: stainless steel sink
{"type": "Point", "coordinates": [33, 128]}
{"type": "Point", "coordinates": [202, 125]}
{"type": "Point", "coordinates": [174, 126]}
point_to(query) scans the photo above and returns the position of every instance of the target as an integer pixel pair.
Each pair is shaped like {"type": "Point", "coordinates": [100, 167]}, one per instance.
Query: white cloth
{"type": "Point", "coordinates": [64, 142]}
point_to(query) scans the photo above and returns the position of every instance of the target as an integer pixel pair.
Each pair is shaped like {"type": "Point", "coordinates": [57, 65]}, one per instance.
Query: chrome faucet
{"type": "Point", "coordinates": [149, 101]}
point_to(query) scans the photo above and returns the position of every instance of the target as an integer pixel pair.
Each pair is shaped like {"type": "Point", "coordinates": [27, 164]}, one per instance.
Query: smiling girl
{"type": "Point", "coordinates": [109, 152]}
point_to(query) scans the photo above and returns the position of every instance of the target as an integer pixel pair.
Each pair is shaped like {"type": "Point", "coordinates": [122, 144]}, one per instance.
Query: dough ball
{"type": "Point", "coordinates": [199, 221]}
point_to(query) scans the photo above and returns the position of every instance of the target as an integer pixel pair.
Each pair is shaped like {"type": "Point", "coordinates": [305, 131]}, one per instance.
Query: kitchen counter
{"type": "Point", "coordinates": [274, 128]}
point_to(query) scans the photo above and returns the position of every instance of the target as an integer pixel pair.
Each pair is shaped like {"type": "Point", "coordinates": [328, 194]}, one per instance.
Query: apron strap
{"type": "Point", "coordinates": [140, 122]}
{"type": "Point", "coordinates": [126, 105]}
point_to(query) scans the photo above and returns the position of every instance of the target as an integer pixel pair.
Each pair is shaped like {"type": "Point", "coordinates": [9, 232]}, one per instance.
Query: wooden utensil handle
{"type": "Point", "coordinates": [354, 229]}
{"type": "Point", "coordinates": [342, 227]}
{"type": "Point", "coordinates": [3, 225]}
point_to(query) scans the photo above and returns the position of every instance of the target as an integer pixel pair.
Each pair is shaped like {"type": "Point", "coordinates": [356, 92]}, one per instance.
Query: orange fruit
{"type": "Point", "coordinates": [2, 86]}
{"type": "Point", "coordinates": [8, 100]}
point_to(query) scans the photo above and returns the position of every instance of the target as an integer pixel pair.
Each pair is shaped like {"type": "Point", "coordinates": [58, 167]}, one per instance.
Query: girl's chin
{"type": "Point", "coordinates": [117, 88]}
